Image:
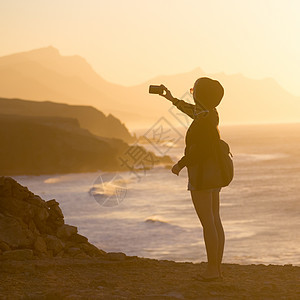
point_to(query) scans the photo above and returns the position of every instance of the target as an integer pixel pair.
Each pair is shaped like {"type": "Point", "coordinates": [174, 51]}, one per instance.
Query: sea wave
{"type": "Point", "coordinates": [156, 221]}
{"type": "Point", "coordinates": [248, 157]}
{"type": "Point", "coordinates": [61, 178]}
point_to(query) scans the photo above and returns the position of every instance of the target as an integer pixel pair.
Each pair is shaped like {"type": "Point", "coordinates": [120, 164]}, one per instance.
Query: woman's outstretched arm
{"type": "Point", "coordinates": [183, 106]}
{"type": "Point", "coordinates": [187, 108]}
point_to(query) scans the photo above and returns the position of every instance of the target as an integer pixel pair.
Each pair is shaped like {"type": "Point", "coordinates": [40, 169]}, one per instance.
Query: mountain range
{"type": "Point", "coordinates": [44, 74]}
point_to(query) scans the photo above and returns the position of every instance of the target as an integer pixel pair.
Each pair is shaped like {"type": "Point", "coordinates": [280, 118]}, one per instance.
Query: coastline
{"type": "Point", "coordinates": [246, 243]}
{"type": "Point", "coordinates": [118, 276]}
{"type": "Point", "coordinates": [41, 257]}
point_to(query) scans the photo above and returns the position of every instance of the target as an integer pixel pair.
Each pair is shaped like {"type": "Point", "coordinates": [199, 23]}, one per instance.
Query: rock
{"type": "Point", "coordinates": [20, 192]}
{"type": "Point", "coordinates": [54, 244]}
{"type": "Point", "coordinates": [56, 216]}
{"type": "Point", "coordinates": [17, 208]}
{"type": "Point", "coordinates": [50, 253]}
{"type": "Point", "coordinates": [41, 218]}
{"type": "Point", "coordinates": [65, 231]}
{"type": "Point", "coordinates": [91, 249]}
{"type": "Point", "coordinates": [36, 200]}
{"type": "Point", "coordinates": [32, 227]}
{"type": "Point", "coordinates": [19, 254]}
{"type": "Point", "coordinates": [42, 214]}
{"type": "Point", "coordinates": [57, 211]}
{"type": "Point", "coordinates": [74, 251]}
{"type": "Point", "coordinates": [12, 199]}
{"type": "Point", "coordinates": [81, 255]}
{"type": "Point", "coordinates": [52, 202]}
{"type": "Point", "coordinates": [49, 229]}
{"type": "Point", "coordinates": [116, 256]}
{"type": "Point", "coordinates": [40, 245]}
{"type": "Point", "coordinates": [57, 222]}
{"type": "Point", "coordinates": [13, 233]}
{"type": "Point", "coordinates": [78, 238]}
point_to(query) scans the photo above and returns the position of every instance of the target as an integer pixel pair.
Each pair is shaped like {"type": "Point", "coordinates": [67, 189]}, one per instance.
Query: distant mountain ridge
{"type": "Point", "coordinates": [43, 74]}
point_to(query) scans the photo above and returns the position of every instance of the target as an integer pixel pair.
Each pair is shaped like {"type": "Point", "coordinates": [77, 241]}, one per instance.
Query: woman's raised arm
{"type": "Point", "coordinates": [183, 106]}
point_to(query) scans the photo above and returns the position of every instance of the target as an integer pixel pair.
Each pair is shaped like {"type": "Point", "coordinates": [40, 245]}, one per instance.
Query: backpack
{"type": "Point", "coordinates": [215, 170]}
{"type": "Point", "coordinates": [226, 163]}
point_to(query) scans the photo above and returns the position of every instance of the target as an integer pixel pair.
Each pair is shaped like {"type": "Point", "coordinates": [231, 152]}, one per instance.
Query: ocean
{"type": "Point", "coordinates": [150, 213]}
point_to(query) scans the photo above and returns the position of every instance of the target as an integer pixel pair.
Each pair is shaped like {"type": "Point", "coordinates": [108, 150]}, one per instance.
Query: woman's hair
{"type": "Point", "coordinates": [208, 92]}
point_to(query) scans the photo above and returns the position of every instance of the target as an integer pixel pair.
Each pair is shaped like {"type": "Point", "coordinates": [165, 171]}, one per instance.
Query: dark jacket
{"type": "Point", "coordinates": [201, 136]}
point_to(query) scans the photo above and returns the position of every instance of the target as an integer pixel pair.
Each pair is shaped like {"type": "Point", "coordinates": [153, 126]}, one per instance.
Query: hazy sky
{"type": "Point", "coordinates": [128, 42]}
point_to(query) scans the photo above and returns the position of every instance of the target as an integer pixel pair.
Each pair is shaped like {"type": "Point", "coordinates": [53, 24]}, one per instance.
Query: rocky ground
{"type": "Point", "coordinates": [116, 276]}
{"type": "Point", "coordinates": [41, 257]}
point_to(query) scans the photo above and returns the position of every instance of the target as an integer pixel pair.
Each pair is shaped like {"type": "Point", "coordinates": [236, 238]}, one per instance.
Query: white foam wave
{"type": "Point", "coordinates": [62, 178]}
{"type": "Point", "coordinates": [258, 157]}
{"type": "Point", "coordinates": [156, 220]}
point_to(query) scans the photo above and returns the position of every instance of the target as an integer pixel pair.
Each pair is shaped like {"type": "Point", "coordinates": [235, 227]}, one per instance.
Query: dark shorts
{"type": "Point", "coordinates": [192, 188]}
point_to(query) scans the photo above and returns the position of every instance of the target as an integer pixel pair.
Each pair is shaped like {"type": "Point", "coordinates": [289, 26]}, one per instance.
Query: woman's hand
{"type": "Point", "coordinates": [176, 169]}
{"type": "Point", "coordinates": [167, 94]}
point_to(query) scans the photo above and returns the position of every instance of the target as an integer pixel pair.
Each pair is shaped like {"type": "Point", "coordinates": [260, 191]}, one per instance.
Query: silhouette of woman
{"type": "Point", "coordinates": [200, 137]}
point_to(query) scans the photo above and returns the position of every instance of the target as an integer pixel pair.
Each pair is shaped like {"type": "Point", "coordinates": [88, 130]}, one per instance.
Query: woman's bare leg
{"type": "Point", "coordinates": [203, 203]}
{"type": "Point", "coordinates": [219, 227]}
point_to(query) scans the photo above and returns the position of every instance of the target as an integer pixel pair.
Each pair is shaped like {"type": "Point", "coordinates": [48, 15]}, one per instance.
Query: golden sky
{"type": "Point", "coordinates": [129, 42]}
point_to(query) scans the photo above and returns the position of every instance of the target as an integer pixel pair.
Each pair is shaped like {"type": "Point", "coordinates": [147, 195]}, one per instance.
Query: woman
{"type": "Point", "coordinates": [200, 148]}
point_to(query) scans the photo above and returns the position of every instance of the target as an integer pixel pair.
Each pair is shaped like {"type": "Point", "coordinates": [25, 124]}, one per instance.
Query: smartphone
{"type": "Point", "coordinates": [156, 89]}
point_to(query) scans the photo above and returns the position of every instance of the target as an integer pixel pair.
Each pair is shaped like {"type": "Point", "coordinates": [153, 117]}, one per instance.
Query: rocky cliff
{"type": "Point", "coordinates": [87, 117]}
{"type": "Point", "coordinates": [56, 145]}
{"type": "Point", "coordinates": [31, 227]}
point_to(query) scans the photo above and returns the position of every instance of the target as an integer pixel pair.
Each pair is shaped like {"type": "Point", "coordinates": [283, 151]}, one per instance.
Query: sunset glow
{"type": "Point", "coordinates": [129, 42]}
{"type": "Point", "coordinates": [149, 149]}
